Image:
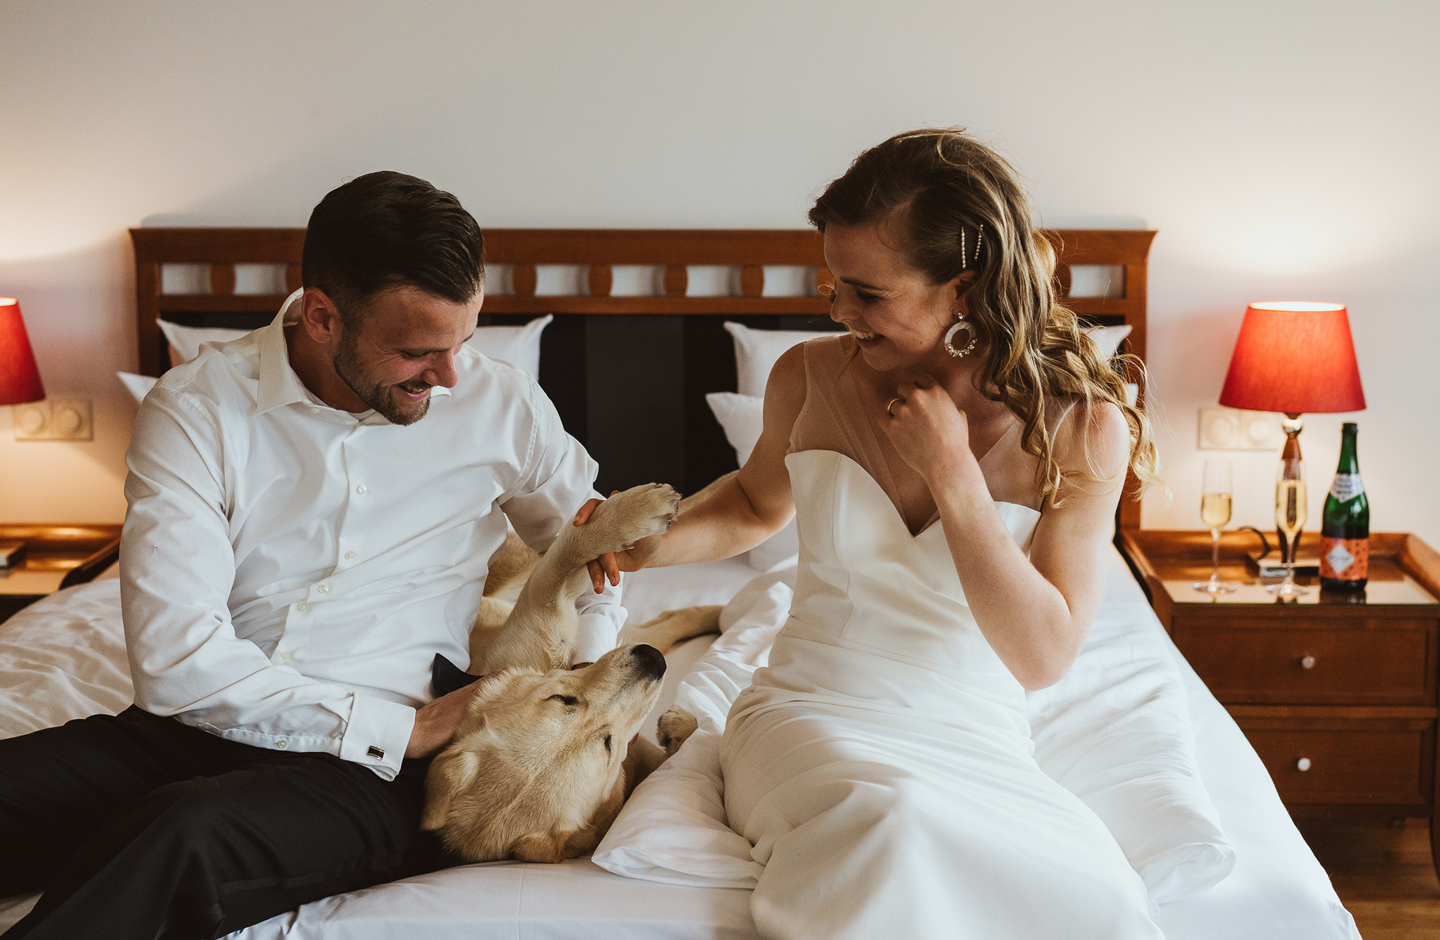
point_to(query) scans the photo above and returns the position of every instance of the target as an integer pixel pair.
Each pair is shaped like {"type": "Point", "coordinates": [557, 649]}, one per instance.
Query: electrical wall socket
{"type": "Point", "coordinates": [1233, 429]}
{"type": "Point", "coordinates": [55, 419]}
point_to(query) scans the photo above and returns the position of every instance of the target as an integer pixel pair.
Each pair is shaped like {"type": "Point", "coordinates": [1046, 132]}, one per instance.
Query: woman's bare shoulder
{"type": "Point", "coordinates": [1093, 439]}
{"type": "Point", "coordinates": [787, 376]}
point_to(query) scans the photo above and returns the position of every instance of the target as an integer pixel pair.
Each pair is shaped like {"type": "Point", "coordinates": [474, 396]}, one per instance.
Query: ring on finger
{"type": "Point", "coordinates": [890, 406]}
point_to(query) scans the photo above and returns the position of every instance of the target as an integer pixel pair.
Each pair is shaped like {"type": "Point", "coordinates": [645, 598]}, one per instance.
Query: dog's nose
{"type": "Point", "coordinates": [649, 659]}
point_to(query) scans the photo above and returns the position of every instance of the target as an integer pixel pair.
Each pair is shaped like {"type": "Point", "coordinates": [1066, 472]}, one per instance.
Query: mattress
{"type": "Point", "coordinates": [63, 657]}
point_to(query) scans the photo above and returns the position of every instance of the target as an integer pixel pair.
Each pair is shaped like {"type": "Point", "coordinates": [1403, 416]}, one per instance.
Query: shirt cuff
{"type": "Point", "coordinates": [596, 636]}
{"type": "Point", "coordinates": [377, 735]}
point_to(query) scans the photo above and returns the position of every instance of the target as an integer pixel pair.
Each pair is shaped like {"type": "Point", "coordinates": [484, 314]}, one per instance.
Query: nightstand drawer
{"type": "Point", "coordinates": [1314, 663]}
{"type": "Point", "coordinates": [1346, 761]}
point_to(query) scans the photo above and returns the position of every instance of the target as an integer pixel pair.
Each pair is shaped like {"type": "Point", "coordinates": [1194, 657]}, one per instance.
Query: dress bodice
{"type": "Point", "coordinates": [879, 617]}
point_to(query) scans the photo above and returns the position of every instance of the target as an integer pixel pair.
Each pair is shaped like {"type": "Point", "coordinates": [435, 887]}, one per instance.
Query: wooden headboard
{"type": "Point", "coordinates": [628, 374]}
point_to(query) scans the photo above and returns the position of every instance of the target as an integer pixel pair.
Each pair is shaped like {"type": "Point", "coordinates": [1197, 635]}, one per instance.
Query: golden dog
{"type": "Point", "coordinates": [546, 756]}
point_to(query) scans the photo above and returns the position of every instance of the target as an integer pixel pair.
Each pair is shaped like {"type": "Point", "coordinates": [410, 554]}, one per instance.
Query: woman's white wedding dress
{"type": "Point", "coordinates": [881, 763]}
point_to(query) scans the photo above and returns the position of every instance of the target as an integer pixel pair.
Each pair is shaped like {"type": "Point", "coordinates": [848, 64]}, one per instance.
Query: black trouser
{"type": "Point", "coordinates": [144, 827]}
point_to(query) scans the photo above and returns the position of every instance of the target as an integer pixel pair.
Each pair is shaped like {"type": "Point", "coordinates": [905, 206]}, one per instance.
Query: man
{"type": "Point", "coordinates": [312, 510]}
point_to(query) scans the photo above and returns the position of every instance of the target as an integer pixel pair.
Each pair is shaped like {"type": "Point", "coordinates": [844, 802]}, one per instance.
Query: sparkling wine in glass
{"type": "Point", "coordinates": [1215, 501]}
{"type": "Point", "coordinates": [1291, 509]}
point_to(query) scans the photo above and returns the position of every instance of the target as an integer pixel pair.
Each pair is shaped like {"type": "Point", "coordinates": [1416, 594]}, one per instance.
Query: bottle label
{"type": "Point", "coordinates": [1344, 559]}
{"type": "Point", "coordinates": [1347, 486]}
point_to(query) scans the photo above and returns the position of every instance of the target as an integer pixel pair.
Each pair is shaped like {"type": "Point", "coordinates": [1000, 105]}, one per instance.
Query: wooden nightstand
{"type": "Point", "coordinates": [1338, 694]}
{"type": "Point", "coordinates": [56, 556]}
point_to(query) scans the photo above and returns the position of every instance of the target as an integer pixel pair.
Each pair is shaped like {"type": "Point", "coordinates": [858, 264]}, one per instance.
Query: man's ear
{"type": "Point", "coordinates": [319, 317]}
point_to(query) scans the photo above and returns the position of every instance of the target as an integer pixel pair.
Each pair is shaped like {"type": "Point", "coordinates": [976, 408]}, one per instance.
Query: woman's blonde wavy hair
{"type": "Point", "coordinates": [936, 183]}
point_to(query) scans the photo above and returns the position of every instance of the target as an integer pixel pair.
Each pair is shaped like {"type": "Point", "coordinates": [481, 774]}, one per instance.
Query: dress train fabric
{"type": "Point", "coordinates": [881, 763]}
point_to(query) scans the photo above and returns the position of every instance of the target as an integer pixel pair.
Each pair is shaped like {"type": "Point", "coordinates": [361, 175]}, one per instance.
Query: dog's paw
{"type": "Point", "coordinates": [637, 513]}
{"type": "Point", "coordinates": [674, 728]}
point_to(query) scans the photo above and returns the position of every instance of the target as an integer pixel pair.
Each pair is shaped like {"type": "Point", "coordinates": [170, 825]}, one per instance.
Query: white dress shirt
{"type": "Point", "coordinates": [289, 570]}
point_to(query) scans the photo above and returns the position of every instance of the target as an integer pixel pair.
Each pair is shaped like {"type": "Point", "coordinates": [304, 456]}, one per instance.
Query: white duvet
{"type": "Point", "coordinates": [1129, 698]}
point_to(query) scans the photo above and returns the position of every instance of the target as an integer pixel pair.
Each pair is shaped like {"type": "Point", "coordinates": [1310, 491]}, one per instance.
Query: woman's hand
{"type": "Point", "coordinates": [609, 565]}
{"type": "Point", "coordinates": [929, 432]}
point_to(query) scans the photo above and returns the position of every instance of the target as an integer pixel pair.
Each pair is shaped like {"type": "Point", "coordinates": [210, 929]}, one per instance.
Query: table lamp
{"type": "Point", "coordinates": [19, 376]}
{"type": "Point", "coordinates": [1293, 358]}
{"type": "Point", "coordinates": [19, 383]}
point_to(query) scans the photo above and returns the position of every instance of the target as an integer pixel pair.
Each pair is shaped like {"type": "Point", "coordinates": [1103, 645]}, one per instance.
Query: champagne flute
{"type": "Point", "coordinates": [1291, 509]}
{"type": "Point", "coordinates": [1215, 513]}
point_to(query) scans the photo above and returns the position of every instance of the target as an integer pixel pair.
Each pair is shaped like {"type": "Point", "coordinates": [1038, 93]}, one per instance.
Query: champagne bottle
{"type": "Point", "coordinates": [1345, 524]}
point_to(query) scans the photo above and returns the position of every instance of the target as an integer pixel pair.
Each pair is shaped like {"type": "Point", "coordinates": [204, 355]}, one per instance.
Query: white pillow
{"type": "Point", "coordinates": [1108, 338]}
{"type": "Point", "coordinates": [185, 341]}
{"type": "Point", "coordinates": [517, 345]}
{"type": "Point", "coordinates": [137, 385]}
{"type": "Point", "coordinates": [757, 350]}
{"type": "Point", "coordinates": [742, 417]}
{"type": "Point", "coordinates": [673, 828]}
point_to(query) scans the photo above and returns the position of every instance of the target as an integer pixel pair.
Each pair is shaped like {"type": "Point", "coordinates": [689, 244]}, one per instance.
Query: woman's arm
{"type": "Point", "coordinates": [749, 508]}
{"type": "Point", "coordinates": [1034, 612]}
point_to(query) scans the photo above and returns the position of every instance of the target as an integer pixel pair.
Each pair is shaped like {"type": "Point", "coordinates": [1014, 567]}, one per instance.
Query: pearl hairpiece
{"type": "Point", "coordinates": [965, 259]}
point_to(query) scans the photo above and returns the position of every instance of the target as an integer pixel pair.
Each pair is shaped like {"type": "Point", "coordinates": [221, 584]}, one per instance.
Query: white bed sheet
{"type": "Point", "coordinates": [63, 658]}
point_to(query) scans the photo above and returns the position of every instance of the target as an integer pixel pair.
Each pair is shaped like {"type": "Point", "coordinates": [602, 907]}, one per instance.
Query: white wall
{"type": "Point", "coordinates": [1284, 149]}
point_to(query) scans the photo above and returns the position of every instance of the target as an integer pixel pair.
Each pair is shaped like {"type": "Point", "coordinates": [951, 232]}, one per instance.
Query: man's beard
{"type": "Point", "coordinates": [375, 394]}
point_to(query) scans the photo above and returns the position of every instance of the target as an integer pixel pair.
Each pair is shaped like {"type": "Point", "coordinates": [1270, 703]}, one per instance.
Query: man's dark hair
{"type": "Point", "coordinates": [387, 229]}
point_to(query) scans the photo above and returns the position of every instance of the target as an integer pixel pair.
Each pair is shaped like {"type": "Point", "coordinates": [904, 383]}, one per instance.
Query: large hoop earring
{"type": "Point", "coordinates": [950, 337]}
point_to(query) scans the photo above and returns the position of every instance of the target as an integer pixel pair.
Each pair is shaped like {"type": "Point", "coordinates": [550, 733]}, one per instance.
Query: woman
{"type": "Point", "coordinates": [880, 765]}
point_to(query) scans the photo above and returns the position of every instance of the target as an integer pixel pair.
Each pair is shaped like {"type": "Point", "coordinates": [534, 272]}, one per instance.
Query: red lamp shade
{"type": "Point", "coordinates": [19, 376]}
{"type": "Point", "coordinates": [1296, 358]}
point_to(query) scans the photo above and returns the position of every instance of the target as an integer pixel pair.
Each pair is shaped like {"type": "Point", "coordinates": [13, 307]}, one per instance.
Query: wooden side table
{"type": "Point", "coordinates": [56, 556]}
{"type": "Point", "coordinates": [1339, 694]}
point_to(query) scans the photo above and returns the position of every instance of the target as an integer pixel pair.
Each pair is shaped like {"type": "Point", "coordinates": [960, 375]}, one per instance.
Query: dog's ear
{"type": "Point", "coordinates": [547, 847]}
{"type": "Point", "coordinates": [449, 774]}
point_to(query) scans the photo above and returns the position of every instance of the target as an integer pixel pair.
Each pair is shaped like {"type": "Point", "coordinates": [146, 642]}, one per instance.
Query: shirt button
{"type": "Point", "coordinates": [360, 489]}
{"type": "Point", "coordinates": [287, 656]}
{"type": "Point", "coordinates": [314, 410]}
{"type": "Point", "coordinates": [322, 588]}
{"type": "Point", "coordinates": [303, 607]}
{"type": "Point", "coordinates": [349, 556]}
{"type": "Point", "coordinates": [282, 744]}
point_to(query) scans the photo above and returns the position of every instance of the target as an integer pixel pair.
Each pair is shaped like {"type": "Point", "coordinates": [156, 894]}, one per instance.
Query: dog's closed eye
{"type": "Point", "coordinates": [607, 743]}
{"type": "Point", "coordinates": [564, 699]}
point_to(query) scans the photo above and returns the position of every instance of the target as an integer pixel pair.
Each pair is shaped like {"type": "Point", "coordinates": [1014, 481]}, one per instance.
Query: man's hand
{"type": "Point", "coordinates": [437, 721]}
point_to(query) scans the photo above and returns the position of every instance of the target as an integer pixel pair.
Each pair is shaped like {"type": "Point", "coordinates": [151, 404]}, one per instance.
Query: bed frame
{"type": "Point", "coordinates": [612, 363]}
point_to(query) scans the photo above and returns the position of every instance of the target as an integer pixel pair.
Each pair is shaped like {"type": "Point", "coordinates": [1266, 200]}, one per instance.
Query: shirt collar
{"type": "Point", "coordinates": [279, 385]}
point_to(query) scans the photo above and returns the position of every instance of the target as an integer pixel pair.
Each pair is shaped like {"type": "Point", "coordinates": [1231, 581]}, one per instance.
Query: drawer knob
{"type": "Point", "coordinates": [1303, 764]}
{"type": "Point", "coordinates": [1307, 662]}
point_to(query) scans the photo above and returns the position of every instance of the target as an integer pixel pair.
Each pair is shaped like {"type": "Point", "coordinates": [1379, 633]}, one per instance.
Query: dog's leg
{"type": "Point", "coordinates": [540, 631]}
{"type": "Point", "coordinates": [641, 761]}
{"type": "Point", "coordinates": [673, 627]}
{"type": "Point", "coordinates": [509, 567]}
{"type": "Point", "coordinates": [488, 620]}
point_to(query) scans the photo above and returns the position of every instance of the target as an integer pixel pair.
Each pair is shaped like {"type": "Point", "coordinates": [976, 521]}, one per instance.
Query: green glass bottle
{"type": "Point", "coordinates": [1345, 524]}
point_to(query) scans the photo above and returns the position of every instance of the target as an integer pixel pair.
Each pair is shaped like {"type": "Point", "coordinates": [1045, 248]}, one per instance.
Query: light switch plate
{"type": "Point", "coordinates": [1233, 429]}
{"type": "Point", "coordinates": [55, 419]}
